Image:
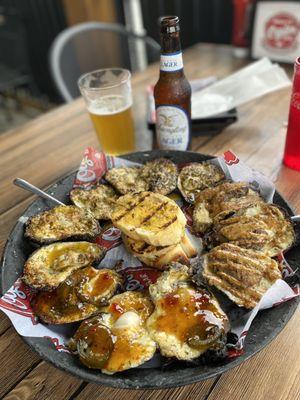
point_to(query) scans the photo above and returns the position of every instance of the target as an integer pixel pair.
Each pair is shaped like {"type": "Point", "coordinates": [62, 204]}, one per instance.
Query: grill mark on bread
{"type": "Point", "coordinates": [174, 219]}
{"type": "Point", "coordinates": [148, 217]}
{"type": "Point", "coordinates": [128, 210]}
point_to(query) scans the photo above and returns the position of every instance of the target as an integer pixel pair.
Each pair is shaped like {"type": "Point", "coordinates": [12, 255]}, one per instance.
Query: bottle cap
{"type": "Point", "coordinates": [169, 24]}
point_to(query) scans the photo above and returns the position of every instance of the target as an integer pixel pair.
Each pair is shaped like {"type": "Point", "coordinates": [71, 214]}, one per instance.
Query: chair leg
{"type": "Point", "coordinates": [5, 107]}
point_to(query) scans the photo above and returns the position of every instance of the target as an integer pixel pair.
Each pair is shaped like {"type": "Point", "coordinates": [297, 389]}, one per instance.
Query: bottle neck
{"type": "Point", "coordinates": [171, 56]}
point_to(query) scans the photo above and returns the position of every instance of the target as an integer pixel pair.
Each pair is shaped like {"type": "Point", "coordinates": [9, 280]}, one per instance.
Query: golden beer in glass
{"type": "Point", "coordinates": [107, 94]}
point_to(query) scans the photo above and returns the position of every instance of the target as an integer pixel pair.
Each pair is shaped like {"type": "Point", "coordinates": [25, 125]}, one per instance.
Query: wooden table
{"type": "Point", "coordinates": [49, 147]}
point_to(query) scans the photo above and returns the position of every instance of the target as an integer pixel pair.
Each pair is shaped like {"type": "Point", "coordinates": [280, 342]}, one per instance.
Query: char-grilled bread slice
{"type": "Point", "coordinates": [62, 223]}
{"type": "Point", "coordinates": [196, 177]}
{"type": "Point", "coordinates": [244, 275]}
{"type": "Point", "coordinates": [127, 179]}
{"type": "Point", "coordinates": [228, 196]}
{"type": "Point", "coordinates": [161, 175]}
{"type": "Point", "coordinates": [264, 227]}
{"type": "Point", "coordinates": [50, 265]}
{"type": "Point", "coordinates": [99, 201]}
{"type": "Point", "coordinates": [160, 257]}
{"type": "Point", "coordinates": [150, 217]}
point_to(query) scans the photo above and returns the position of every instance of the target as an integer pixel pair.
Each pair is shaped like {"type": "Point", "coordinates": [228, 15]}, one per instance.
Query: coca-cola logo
{"type": "Point", "coordinates": [230, 158]}
{"type": "Point", "coordinates": [295, 101]}
{"type": "Point", "coordinates": [110, 238]}
{"type": "Point", "coordinates": [92, 168]}
{"type": "Point", "coordinates": [111, 234]}
{"type": "Point", "coordinates": [281, 31]}
{"type": "Point", "coordinates": [139, 278]}
{"type": "Point", "coordinates": [18, 300]}
{"type": "Point", "coordinates": [57, 344]}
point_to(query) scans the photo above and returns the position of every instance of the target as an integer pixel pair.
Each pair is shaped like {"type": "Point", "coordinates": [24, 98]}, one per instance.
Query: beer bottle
{"type": "Point", "coordinates": [172, 92]}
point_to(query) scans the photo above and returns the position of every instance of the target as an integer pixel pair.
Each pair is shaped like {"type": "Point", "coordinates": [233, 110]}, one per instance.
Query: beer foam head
{"type": "Point", "coordinates": [110, 104]}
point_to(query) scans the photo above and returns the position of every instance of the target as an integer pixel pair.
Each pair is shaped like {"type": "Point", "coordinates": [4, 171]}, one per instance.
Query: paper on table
{"type": "Point", "coordinates": [16, 303]}
{"type": "Point", "coordinates": [251, 82]}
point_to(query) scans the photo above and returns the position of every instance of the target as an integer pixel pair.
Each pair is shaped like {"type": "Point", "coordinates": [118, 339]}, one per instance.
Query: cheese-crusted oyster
{"type": "Point", "coordinates": [244, 275]}
{"type": "Point", "coordinates": [81, 295]}
{"type": "Point", "coordinates": [117, 339]}
{"type": "Point", "coordinates": [50, 265]}
{"type": "Point", "coordinates": [138, 302]}
{"type": "Point", "coordinates": [62, 223]}
{"type": "Point", "coordinates": [263, 227]}
{"type": "Point", "coordinates": [97, 286]}
{"type": "Point", "coordinates": [127, 179]}
{"type": "Point", "coordinates": [196, 177]}
{"type": "Point", "coordinates": [99, 201]}
{"type": "Point", "coordinates": [151, 217]}
{"type": "Point", "coordinates": [161, 175]}
{"type": "Point", "coordinates": [133, 345]}
{"type": "Point", "coordinates": [221, 199]}
{"type": "Point", "coordinates": [187, 320]}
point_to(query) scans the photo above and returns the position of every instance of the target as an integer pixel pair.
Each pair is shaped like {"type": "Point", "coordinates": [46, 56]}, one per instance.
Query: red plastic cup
{"type": "Point", "coordinates": [240, 22]}
{"type": "Point", "coordinates": [292, 145]}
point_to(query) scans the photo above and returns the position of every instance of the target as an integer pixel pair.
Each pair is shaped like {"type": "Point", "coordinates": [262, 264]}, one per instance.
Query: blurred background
{"type": "Point", "coordinates": [37, 75]}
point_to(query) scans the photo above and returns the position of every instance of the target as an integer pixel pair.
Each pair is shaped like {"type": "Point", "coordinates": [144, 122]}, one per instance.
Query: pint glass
{"type": "Point", "coordinates": [108, 97]}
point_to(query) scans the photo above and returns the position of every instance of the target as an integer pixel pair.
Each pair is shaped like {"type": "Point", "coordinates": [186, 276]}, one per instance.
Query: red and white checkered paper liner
{"type": "Point", "coordinates": [15, 303]}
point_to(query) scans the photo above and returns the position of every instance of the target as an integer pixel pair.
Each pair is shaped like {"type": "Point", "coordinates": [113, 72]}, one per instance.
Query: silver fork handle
{"type": "Point", "coordinates": [295, 218]}
{"type": "Point", "coordinates": [33, 189]}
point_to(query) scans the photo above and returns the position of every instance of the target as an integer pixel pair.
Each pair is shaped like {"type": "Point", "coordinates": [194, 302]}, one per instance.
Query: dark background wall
{"type": "Point", "coordinates": [200, 20]}
{"type": "Point", "coordinates": [28, 27]}
{"type": "Point", "coordinates": [27, 30]}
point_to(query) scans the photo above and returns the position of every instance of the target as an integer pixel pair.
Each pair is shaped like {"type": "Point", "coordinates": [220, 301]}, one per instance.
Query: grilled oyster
{"type": "Point", "coordinates": [187, 320]}
{"type": "Point", "coordinates": [150, 217]}
{"type": "Point", "coordinates": [93, 341]}
{"type": "Point", "coordinates": [161, 175]}
{"type": "Point", "coordinates": [78, 297]}
{"type": "Point", "coordinates": [127, 180]}
{"type": "Point", "coordinates": [263, 227]}
{"type": "Point", "coordinates": [113, 346]}
{"type": "Point", "coordinates": [98, 201]}
{"type": "Point", "coordinates": [133, 345]}
{"type": "Point", "coordinates": [97, 286]}
{"type": "Point", "coordinates": [138, 302]}
{"type": "Point", "coordinates": [161, 256]}
{"type": "Point", "coordinates": [243, 275]}
{"type": "Point", "coordinates": [224, 198]}
{"type": "Point", "coordinates": [196, 177]}
{"type": "Point", "coordinates": [50, 265]}
{"type": "Point", "coordinates": [62, 223]}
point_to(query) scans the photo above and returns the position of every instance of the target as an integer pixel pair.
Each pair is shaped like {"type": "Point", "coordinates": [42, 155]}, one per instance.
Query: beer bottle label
{"type": "Point", "coordinates": [172, 128]}
{"type": "Point", "coordinates": [171, 62]}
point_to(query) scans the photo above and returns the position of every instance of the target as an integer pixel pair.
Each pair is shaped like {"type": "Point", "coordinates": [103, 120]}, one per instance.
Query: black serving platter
{"type": "Point", "coordinates": [265, 327]}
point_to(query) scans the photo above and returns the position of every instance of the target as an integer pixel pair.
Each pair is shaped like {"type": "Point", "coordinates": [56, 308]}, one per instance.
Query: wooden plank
{"type": "Point", "coordinates": [43, 151]}
{"type": "Point", "coordinates": [45, 382]}
{"type": "Point", "coordinates": [16, 360]}
{"type": "Point", "coordinates": [197, 391]}
{"type": "Point", "coordinates": [4, 323]}
{"type": "Point", "coordinates": [288, 183]}
{"type": "Point", "coordinates": [274, 373]}
{"type": "Point", "coordinates": [254, 128]}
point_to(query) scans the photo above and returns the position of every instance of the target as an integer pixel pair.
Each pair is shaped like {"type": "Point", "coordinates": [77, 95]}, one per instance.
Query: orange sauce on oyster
{"type": "Point", "coordinates": [59, 258]}
{"type": "Point", "coordinates": [131, 301]}
{"type": "Point", "coordinates": [186, 311]}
